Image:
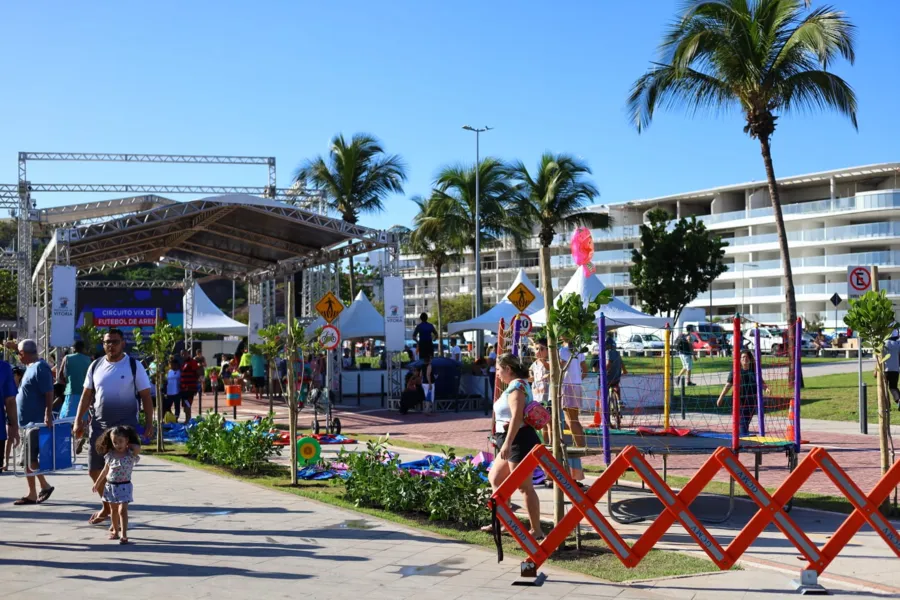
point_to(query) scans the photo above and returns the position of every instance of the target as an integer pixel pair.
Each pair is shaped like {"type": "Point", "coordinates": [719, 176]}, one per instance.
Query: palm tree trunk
{"type": "Point", "coordinates": [352, 281]}
{"type": "Point", "coordinates": [553, 351]}
{"type": "Point", "coordinates": [789, 297]}
{"type": "Point", "coordinates": [440, 336]}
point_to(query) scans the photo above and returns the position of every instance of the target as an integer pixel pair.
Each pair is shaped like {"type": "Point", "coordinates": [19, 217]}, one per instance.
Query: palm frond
{"type": "Point", "coordinates": [809, 90]}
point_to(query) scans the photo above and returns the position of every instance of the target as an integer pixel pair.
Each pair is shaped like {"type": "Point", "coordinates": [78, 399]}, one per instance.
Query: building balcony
{"type": "Point", "coordinates": [613, 234]}
{"type": "Point", "coordinates": [889, 258]}
{"type": "Point", "coordinates": [842, 234]}
{"type": "Point", "coordinates": [606, 257]}
{"type": "Point", "coordinates": [804, 293]}
{"type": "Point", "coordinates": [863, 201]}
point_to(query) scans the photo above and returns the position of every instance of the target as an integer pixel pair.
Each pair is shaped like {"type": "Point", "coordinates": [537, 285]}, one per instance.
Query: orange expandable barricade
{"type": "Point", "coordinates": [677, 508]}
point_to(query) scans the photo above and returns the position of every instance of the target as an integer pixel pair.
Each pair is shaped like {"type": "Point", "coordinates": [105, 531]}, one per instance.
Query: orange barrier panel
{"type": "Point", "coordinates": [676, 507]}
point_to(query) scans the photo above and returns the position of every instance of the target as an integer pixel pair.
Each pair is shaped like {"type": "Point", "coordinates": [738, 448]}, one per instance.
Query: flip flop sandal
{"type": "Point", "coordinates": [24, 501]}
{"type": "Point", "coordinates": [97, 520]}
{"type": "Point", "coordinates": [45, 495]}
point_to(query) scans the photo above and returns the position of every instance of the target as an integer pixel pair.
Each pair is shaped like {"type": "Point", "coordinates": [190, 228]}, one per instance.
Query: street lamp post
{"type": "Point", "coordinates": [479, 305]}
{"type": "Point", "coordinates": [752, 266]}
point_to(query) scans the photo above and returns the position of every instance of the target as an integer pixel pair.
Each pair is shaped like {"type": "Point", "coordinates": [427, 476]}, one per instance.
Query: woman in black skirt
{"type": "Point", "coordinates": [513, 438]}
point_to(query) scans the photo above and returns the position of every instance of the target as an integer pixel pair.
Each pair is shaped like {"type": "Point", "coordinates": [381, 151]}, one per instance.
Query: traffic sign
{"type": "Point", "coordinates": [835, 300]}
{"type": "Point", "coordinates": [329, 307]}
{"type": "Point", "coordinates": [859, 281]}
{"type": "Point", "coordinates": [521, 297]}
{"type": "Point", "coordinates": [330, 337]}
{"type": "Point", "coordinates": [525, 324]}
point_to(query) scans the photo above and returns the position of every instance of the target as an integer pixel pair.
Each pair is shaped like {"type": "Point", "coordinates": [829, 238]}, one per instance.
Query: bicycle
{"type": "Point", "coordinates": [615, 406]}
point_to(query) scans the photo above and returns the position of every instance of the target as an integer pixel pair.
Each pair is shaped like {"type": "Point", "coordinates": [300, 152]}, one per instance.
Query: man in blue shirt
{"type": "Point", "coordinates": [7, 407]}
{"type": "Point", "coordinates": [424, 334]}
{"type": "Point", "coordinates": [34, 404]}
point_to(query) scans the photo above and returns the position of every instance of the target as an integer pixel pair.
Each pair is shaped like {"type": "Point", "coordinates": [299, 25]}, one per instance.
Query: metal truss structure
{"type": "Point", "coordinates": [171, 284]}
{"type": "Point", "coordinates": [18, 199]}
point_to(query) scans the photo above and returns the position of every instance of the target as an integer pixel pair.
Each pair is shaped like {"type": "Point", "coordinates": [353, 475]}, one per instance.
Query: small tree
{"type": "Point", "coordinates": [676, 263]}
{"type": "Point", "coordinates": [91, 336]}
{"type": "Point", "coordinates": [270, 349]}
{"type": "Point", "coordinates": [872, 317]}
{"type": "Point", "coordinates": [159, 347]}
{"type": "Point", "coordinates": [814, 323]}
{"type": "Point", "coordinates": [574, 321]}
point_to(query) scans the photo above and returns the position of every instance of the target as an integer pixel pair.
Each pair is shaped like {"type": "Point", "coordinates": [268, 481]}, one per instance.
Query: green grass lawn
{"type": "Point", "coordinates": [594, 559]}
{"type": "Point", "coordinates": [715, 364]}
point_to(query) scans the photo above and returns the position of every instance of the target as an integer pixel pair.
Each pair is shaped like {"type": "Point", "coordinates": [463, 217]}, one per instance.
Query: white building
{"type": "Point", "coordinates": [834, 219]}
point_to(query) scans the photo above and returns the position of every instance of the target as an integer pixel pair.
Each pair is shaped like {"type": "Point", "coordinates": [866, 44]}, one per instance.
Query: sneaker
{"type": "Point", "coordinates": [691, 383]}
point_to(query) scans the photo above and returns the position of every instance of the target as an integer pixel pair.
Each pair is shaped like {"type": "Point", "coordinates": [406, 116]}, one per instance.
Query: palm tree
{"type": "Point", "coordinates": [438, 242]}
{"type": "Point", "coordinates": [767, 57]}
{"type": "Point", "coordinates": [554, 197]}
{"type": "Point", "coordinates": [453, 197]}
{"type": "Point", "coordinates": [355, 177]}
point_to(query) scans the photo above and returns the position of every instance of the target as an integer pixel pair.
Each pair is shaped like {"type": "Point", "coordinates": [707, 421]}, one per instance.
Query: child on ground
{"type": "Point", "coordinates": [121, 448]}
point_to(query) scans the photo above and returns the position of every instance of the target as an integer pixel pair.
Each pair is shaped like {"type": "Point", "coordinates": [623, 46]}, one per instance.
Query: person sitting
{"type": "Point", "coordinates": [413, 395]}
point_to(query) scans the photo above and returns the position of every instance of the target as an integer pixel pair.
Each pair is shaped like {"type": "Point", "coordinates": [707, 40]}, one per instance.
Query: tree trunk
{"type": "Point", "coordinates": [553, 351]}
{"type": "Point", "coordinates": [884, 418]}
{"type": "Point", "coordinates": [440, 336]}
{"type": "Point", "coordinates": [160, 444]}
{"type": "Point", "coordinates": [353, 282]}
{"type": "Point", "coordinates": [290, 342]}
{"type": "Point", "coordinates": [789, 298]}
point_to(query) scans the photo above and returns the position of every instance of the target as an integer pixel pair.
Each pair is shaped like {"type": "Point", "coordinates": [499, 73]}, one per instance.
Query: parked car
{"type": "Point", "coordinates": [704, 342]}
{"type": "Point", "coordinates": [641, 342]}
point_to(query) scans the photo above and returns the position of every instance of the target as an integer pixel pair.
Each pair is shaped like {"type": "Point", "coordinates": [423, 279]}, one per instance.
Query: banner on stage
{"type": "Point", "coordinates": [394, 318]}
{"type": "Point", "coordinates": [254, 323]}
{"type": "Point", "coordinates": [62, 314]}
{"type": "Point", "coordinates": [124, 317]}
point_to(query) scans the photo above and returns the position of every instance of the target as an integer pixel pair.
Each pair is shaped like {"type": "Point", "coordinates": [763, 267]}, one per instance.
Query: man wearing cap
{"type": "Point", "coordinates": [892, 365]}
{"type": "Point", "coordinates": [34, 404]}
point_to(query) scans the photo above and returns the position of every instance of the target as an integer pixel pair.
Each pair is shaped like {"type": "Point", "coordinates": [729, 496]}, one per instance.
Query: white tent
{"type": "Point", "coordinates": [618, 314]}
{"type": "Point", "coordinates": [207, 316]}
{"type": "Point", "coordinates": [359, 320]}
{"type": "Point", "coordinates": [503, 310]}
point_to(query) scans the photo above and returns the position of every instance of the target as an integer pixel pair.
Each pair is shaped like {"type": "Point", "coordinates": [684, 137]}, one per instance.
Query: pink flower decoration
{"type": "Point", "coordinates": [583, 249]}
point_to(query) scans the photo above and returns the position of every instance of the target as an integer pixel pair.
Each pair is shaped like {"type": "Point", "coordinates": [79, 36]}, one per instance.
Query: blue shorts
{"type": "Point", "coordinates": [118, 493]}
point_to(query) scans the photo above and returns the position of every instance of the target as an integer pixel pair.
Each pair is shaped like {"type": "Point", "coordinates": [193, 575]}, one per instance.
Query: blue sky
{"type": "Point", "coordinates": [280, 78]}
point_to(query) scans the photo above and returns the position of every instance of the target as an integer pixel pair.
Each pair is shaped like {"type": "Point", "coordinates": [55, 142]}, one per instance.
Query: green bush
{"type": "Point", "coordinates": [377, 481]}
{"type": "Point", "coordinates": [243, 447]}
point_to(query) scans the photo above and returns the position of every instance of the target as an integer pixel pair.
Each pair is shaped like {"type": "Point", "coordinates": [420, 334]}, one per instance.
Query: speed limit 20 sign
{"type": "Point", "coordinates": [859, 281]}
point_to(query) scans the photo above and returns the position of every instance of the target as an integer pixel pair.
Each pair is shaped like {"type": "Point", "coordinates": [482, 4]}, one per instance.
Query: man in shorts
{"type": "Point", "coordinates": [34, 405]}
{"type": "Point", "coordinates": [686, 353]}
{"type": "Point", "coordinates": [112, 387]}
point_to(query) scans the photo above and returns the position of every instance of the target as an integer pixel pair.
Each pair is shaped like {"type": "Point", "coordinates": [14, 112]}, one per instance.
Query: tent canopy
{"type": "Point", "coordinates": [207, 316]}
{"type": "Point", "coordinates": [618, 314]}
{"type": "Point", "coordinates": [359, 320]}
{"type": "Point", "coordinates": [503, 310]}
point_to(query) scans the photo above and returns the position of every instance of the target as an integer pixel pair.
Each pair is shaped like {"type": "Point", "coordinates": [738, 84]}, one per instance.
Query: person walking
{"type": "Point", "coordinates": [258, 372]}
{"type": "Point", "coordinates": [892, 365]}
{"type": "Point", "coordinates": [424, 335]}
{"type": "Point", "coordinates": [113, 384]}
{"type": "Point", "coordinates": [685, 352]}
{"type": "Point", "coordinates": [190, 377]}
{"type": "Point", "coordinates": [455, 351]}
{"type": "Point", "coordinates": [172, 403]}
{"type": "Point", "coordinates": [72, 371]}
{"type": "Point", "coordinates": [121, 448]}
{"type": "Point", "coordinates": [540, 379]}
{"type": "Point", "coordinates": [34, 404]}
{"type": "Point", "coordinates": [9, 424]}
{"type": "Point", "coordinates": [513, 438]}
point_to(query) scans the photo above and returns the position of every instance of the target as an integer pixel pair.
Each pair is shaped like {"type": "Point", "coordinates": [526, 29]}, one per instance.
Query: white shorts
{"type": "Point", "coordinates": [687, 361]}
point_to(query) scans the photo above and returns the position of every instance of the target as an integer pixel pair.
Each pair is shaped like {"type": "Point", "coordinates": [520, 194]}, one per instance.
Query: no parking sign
{"type": "Point", "coordinates": [859, 281]}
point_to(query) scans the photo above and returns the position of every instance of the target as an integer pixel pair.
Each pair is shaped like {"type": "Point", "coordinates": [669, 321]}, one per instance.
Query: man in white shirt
{"type": "Point", "coordinates": [892, 365]}
{"type": "Point", "coordinates": [112, 387]}
{"type": "Point", "coordinates": [455, 351]}
{"type": "Point", "coordinates": [571, 391]}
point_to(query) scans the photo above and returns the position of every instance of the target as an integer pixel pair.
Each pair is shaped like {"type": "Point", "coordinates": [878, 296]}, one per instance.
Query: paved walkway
{"type": "Point", "coordinates": [198, 535]}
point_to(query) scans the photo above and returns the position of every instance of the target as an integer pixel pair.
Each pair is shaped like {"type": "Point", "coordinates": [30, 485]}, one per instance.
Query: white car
{"type": "Point", "coordinates": [771, 340]}
{"type": "Point", "coordinates": [640, 342]}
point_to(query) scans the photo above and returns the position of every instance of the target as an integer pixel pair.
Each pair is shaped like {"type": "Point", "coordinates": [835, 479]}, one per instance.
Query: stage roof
{"type": "Point", "coordinates": [238, 236]}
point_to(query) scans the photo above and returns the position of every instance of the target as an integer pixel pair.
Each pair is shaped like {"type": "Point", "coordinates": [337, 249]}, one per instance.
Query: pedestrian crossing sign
{"type": "Point", "coordinates": [521, 297]}
{"type": "Point", "coordinates": [329, 307]}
